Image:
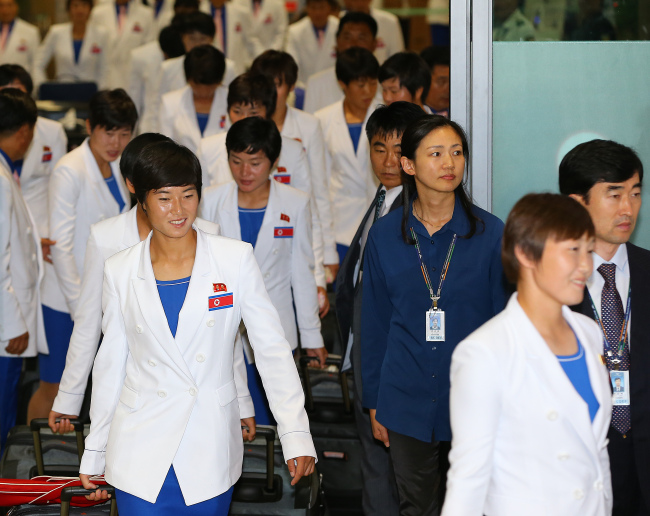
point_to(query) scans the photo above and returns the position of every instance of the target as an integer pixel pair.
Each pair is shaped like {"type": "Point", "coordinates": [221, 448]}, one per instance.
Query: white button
{"type": "Point", "coordinates": [152, 363]}
{"type": "Point", "coordinates": [210, 323]}
{"type": "Point", "coordinates": [598, 485]}
{"type": "Point", "coordinates": [33, 257]}
{"type": "Point", "coordinates": [29, 230]}
{"type": "Point", "coordinates": [552, 415]}
{"type": "Point", "coordinates": [192, 391]}
{"type": "Point", "coordinates": [563, 456]}
{"type": "Point", "coordinates": [275, 251]}
{"type": "Point", "coordinates": [200, 358]}
{"type": "Point", "coordinates": [162, 394]}
{"type": "Point", "coordinates": [138, 329]}
{"type": "Point", "coordinates": [578, 494]}
{"type": "Point", "coordinates": [267, 275]}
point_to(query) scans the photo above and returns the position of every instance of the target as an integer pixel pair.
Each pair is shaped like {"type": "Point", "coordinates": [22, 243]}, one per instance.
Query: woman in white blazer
{"type": "Point", "coordinates": [173, 355]}
{"type": "Point", "coordinates": [530, 396]}
{"type": "Point", "coordinates": [79, 50]}
{"type": "Point", "coordinates": [270, 20]}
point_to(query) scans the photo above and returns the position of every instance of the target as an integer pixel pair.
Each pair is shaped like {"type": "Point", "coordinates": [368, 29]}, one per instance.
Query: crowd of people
{"type": "Point", "coordinates": [236, 159]}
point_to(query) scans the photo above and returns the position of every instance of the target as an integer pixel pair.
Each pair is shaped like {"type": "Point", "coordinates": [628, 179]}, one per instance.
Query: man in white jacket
{"type": "Point", "coordinates": [19, 40]}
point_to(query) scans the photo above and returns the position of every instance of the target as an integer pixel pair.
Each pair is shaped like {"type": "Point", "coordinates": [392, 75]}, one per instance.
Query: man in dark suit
{"type": "Point", "coordinates": [605, 177]}
{"type": "Point", "coordinates": [384, 131]}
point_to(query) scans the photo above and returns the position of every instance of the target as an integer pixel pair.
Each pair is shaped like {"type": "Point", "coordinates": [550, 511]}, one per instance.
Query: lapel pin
{"type": "Point", "coordinates": [219, 287]}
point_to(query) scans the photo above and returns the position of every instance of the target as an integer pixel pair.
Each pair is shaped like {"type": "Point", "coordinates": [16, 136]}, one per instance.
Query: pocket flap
{"type": "Point", "coordinates": [227, 393]}
{"type": "Point", "coordinates": [129, 397]}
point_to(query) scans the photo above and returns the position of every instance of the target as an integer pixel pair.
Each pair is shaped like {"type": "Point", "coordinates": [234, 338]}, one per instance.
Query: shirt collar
{"type": "Point", "coordinates": [619, 258]}
{"type": "Point", "coordinates": [458, 224]}
{"type": "Point", "coordinates": [117, 8]}
{"type": "Point", "coordinates": [10, 163]}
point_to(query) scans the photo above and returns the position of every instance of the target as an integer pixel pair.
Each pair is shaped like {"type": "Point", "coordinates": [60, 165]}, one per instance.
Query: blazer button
{"type": "Point", "coordinates": [598, 485]}
{"type": "Point", "coordinates": [34, 257]}
{"type": "Point", "coordinates": [152, 363]}
{"type": "Point", "coordinates": [563, 456]}
{"type": "Point", "coordinates": [200, 357]}
{"type": "Point", "coordinates": [275, 251]}
{"type": "Point", "coordinates": [192, 391]}
{"type": "Point", "coordinates": [29, 230]}
{"type": "Point", "coordinates": [162, 394]}
{"type": "Point", "coordinates": [138, 329]}
{"type": "Point", "coordinates": [267, 275]}
{"type": "Point", "coordinates": [552, 415]}
{"type": "Point", "coordinates": [210, 323]}
{"type": "Point", "coordinates": [578, 494]}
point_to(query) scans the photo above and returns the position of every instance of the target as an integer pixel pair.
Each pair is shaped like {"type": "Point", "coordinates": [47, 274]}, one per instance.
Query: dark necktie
{"type": "Point", "coordinates": [381, 196]}
{"type": "Point", "coordinates": [613, 316]}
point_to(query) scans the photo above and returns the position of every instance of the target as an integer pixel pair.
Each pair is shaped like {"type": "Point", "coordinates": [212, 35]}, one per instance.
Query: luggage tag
{"type": "Point", "coordinates": [620, 387]}
{"type": "Point", "coordinates": [435, 325]}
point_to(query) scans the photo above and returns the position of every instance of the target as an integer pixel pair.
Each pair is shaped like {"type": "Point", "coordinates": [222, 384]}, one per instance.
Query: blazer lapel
{"type": "Point", "coordinates": [100, 189]}
{"type": "Point", "coordinates": [265, 236]}
{"type": "Point", "coordinates": [131, 235]}
{"type": "Point", "coordinates": [228, 217]}
{"type": "Point", "coordinates": [217, 118]}
{"type": "Point", "coordinates": [192, 125]}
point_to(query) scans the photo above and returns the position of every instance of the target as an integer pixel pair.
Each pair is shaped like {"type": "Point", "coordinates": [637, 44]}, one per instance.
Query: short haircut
{"type": "Point", "coordinates": [112, 109]}
{"type": "Point", "coordinates": [18, 108]}
{"type": "Point", "coordinates": [189, 4]}
{"type": "Point", "coordinates": [255, 134]}
{"type": "Point", "coordinates": [275, 64]}
{"type": "Point", "coordinates": [357, 17]}
{"type": "Point", "coordinates": [334, 5]}
{"type": "Point", "coordinates": [411, 70]}
{"type": "Point", "coordinates": [436, 56]}
{"type": "Point", "coordinates": [392, 120]}
{"type": "Point", "coordinates": [536, 218]}
{"type": "Point", "coordinates": [162, 164]}
{"type": "Point", "coordinates": [13, 72]}
{"type": "Point", "coordinates": [204, 65]}
{"type": "Point", "coordinates": [597, 161]}
{"type": "Point", "coordinates": [170, 41]}
{"type": "Point", "coordinates": [134, 148]}
{"type": "Point", "coordinates": [356, 63]}
{"type": "Point", "coordinates": [87, 2]}
{"type": "Point", "coordinates": [250, 88]}
{"type": "Point", "coordinates": [199, 22]}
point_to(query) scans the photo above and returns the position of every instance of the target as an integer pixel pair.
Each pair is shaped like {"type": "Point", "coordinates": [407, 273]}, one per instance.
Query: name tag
{"type": "Point", "coordinates": [220, 301]}
{"type": "Point", "coordinates": [283, 232]}
{"type": "Point", "coordinates": [620, 387]}
{"type": "Point", "coordinates": [435, 325]}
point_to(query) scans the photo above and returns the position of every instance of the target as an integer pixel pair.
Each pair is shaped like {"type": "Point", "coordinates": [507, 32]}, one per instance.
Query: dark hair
{"type": "Point", "coordinates": [255, 134]}
{"type": "Point", "coordinates": [250, 88]}
{"type": "Point", "coordinates": [134, 148]}
{"type": "Point", "coordinates": [17, 109]}
{"type": "Point", "coordinates": [197, 22]}
{"type": "Point", "coordinates": [436, 56]}
{"type": "Point", "coordinates": [392, 120]}
{"type": "Point", "coordinates": [536, 218]}
{"type": "Point", "coordinates": [87, 2]}
{"type": "Point", "coordinates": [356, 63]}
{"type": "Point", "coordinates": [162, 164]}
{"type": "Point", "coordinates": [357, 17]}
{"type": "Point", "coordinates": [276, 65]}
{"type": "Point", "coordinates": [205, 64]}
{"type": "Point", "coordinates": [13, 72]}
{"type": "Point", "coordinates": [411, 70]}
{"type": "Point", "coordinates": [112, 109]}
{"type": "Point", "coordinates": [411, 139]}
{"type": "Point", "coordinates": [170, 41]}
{"type": "Point", "coordinates": [597, 161]}
{"type": "Point", "coordinates": [191, 4]}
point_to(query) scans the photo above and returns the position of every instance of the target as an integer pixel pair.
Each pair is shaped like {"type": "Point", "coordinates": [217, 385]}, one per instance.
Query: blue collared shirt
{"type": "Point", "coordinates": [405, 377]}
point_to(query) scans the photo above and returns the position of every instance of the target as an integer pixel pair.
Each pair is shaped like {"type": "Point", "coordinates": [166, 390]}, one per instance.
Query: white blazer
{"type": "Point", "coordinates": [523, 441]}
{"type": "Point", "coordinates": [78, 198]}
{"type": "Point", "coordinates": [93, 58]}
{"type": "Point", "coordinates": [303, 45]}
{"type": "Point", "coordinates": [144, 63]}
{"type": "Point", "coordinates": [269, 24]}
{"type": "Point", "coordinates": [287, 263]}
{"type": "Point", "coordinates": [389, 34]}
{"type": "Point", "coordinates": [21, 45]}
{"type": "Point", "coordinates": [21, 270]}
{"type": "Point", "coordinates": [177, 117]}
{"type": "Point", "coordinates": [164, 18]}
{"type": "Point", "coordinates": [107, 238]}
{"type": "Point", "coordinates": [138, 30]}
{"type": "Point", "coordinates": [353, 185]}
{"type": "Point", "coordinates": [48, 146]}
{"type": "Point", "coordinates": [143, 375]}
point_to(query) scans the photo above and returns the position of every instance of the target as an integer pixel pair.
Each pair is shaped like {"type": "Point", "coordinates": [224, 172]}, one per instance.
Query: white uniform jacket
{"type": "Point", "coordinates": [93, 58]}
{"type": "Point", "coordinates": [78, 198]}
{"type": "Point", "coordinates": [107, 238]}
{"type": "Point", "coordinates": [21, 264]}
{"type": "Point", "coordinates": [21, 45]}
{"type": "Point", "coordinates": [352, 183]}
{"type": "Point", "coordinates": [164, 18]}
{"type": "Point", "coordinates": [283, 252]}
{"type": "Point", "coordinates": [178, 117]}
{"type": "Point", "coordinates": [48, 146]}
{"type": "Point", "coordinates": [143, 375]}
{"type": "Point", "coordinates": [389, 34]}
{"type": "Point", "coordinates": [523, 441]}
{"type": "Point", "coordinates": [144, 64]}
{"type": "Point", "coordinates": [269, 24]}
{"type": "Point", "coordinates": [303, 45]}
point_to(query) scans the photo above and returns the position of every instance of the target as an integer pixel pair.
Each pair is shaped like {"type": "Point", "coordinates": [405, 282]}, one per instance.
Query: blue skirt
{"type": "Point", "coordinates": [58, 330]}
{"type": "Point", "coordinates": [170, 502]}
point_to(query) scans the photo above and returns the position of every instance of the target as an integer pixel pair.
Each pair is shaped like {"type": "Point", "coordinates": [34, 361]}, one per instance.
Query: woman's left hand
{"type": "Point", "coordinates": [248, 430]}
{"type": "Point", "coordinates": [300, 467]}
{"type": "Point", "coordinates": [97, 495]}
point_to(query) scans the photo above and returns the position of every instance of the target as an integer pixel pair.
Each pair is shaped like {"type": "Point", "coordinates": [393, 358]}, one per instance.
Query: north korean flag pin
{"type": "Point", "coordinates": [219, 287]}
{"type": "Point", "coordinates": [284, 216]}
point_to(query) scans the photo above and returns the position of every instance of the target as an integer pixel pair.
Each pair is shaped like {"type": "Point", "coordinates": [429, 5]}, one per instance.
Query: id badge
{"type": "Point", "coordinates": [435, 325]}
{"type": "Point", "coordinates": [620, 387]}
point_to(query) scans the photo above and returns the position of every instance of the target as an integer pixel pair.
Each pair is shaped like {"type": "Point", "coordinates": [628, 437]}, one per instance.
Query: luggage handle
{"type": "Point", "coordinates": [269, 435]}
{"type": "Point", "coordinates": [36, 425]}
{"type": "Point", "coordinates": [70, 492]}
{"type": "Point", "coordinates": [343, 379]}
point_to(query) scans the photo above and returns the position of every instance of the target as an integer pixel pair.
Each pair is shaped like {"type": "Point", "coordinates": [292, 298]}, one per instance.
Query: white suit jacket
{"type": "Point", "coordinates": [270, 23]}
{"type": "Point", "coordinates": [353, 185]}
{"type": "Point", "coordinates": [160, 401]}
{"type": "Point", "coordinates": [303, 45]}
{"type": "Point", "coordinates": [21, 45]}
{"type": "Point", "coordinates": [21, 270]}
{"type": "Point", "coordinates": [93, 58]}
{"type": "Point", "coordinates": [389, 34]}
{"type": "Point", "coordinates": [107, 238]}
{"type": "Point", "coordinates": [287, 264]}
{"type": "Point", "coordinates": [178, 117]}
{"type": "Point", "coordinates": [523, 441]}
{"type": "Point", "coordinates": [48, 146]}
{"type": "Point", "coordinates": [164, 18]}
{"type": "Point", "coordinates": [78, 198]}
{"type": "Point", "coordinates": [144, 64]}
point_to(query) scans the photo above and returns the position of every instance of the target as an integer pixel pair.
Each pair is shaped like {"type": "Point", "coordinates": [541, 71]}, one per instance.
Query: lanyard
{"type": "Point", "coordinates": [626, 321]}
{"type": "Point", "coordinates": [425, 272]}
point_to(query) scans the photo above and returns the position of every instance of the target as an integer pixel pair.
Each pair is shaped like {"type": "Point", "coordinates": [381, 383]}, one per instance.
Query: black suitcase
{"type": "Point", "coordinates": [64, 509]}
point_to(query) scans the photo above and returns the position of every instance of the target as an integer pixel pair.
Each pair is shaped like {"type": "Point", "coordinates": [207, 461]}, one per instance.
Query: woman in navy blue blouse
{"type": "Point", "coordinates": [432, 275]}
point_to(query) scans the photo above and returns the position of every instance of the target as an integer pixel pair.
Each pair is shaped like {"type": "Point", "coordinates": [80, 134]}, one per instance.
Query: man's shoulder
{"type": "Point", "coordinates": [636, 253]}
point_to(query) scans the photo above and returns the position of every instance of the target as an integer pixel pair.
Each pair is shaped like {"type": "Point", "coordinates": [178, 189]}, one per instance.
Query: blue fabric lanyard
{"type": "Point", "coordinates": [425, 271]}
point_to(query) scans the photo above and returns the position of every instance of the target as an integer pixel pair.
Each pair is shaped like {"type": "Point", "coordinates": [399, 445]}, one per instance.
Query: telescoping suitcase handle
{"type": "Point", "coordinates": [36, 425]}
{"type": "Point", "coordinates": [343, 379]}
{"type": "Point", "coordinates": [269, 435]}
{"type": "Point", "coordinates": [68, 493]}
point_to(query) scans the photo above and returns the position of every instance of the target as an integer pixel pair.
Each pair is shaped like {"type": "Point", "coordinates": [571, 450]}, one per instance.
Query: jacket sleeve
{"type": "Point", "coordinates": [165, 119]}
{"type": "Point", "coordinates": [246, 407]}
{"type": "Point", "coordinates": [42, 58]}
{"type": "Point", "coordinates": [498, 282]}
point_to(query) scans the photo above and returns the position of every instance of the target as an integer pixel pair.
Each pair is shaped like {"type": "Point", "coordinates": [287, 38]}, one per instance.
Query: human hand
{"type": "Point", "coordinates": [331, 270]}
{"type": "Point", "coordinates": [97, 495]}
{"type": "Point", "coordinates": [323, 302]}
{"type": "Point", "coordinates": [248, 433]}
{"type": "Point", "coordinates": [18, 344]}
{"type": "Point", "coordinates": [300, 467]}
{"type": "Point", "coordinates": [63, 426]}
{"type": "Point", "coordinates": [319, 353]}
{"type": "Point", "coordinates": [46, 243]}
{"type": "Point", "coordinates": [379, 431]}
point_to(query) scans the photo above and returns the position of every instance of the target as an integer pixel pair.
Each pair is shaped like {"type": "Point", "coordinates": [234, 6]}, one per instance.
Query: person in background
{"type": "Point", "coordinates": [18, 39]}
{"type": "Point", "coordinates": [438, 97]}
{"type": "Point", "coordinates": [405, 76]}
{"type": "Point", "coordinates": [509, 22]}
{"type": "Point", "coordinates": [270, 21]}
{"type": "Point", "coordinates": [532, 438]}
{"type": "Point", "coordinates": [163, 12]}
{"type": "Point", "coordinates": [384, 132]}
{"type": "Point", "coordinates": [606, 177]}
{"type": "Point", "coordinates": [348, 169]}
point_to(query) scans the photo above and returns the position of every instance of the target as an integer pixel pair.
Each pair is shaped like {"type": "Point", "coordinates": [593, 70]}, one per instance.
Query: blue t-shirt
{"type": "Point", "coordinates": [575, 367]}
{"type": "Point", "coordinates": [117, 195]}
{"type": "Point", "coordinates": [202, 119]}
{"type": "Point", "coordinates": [76, 45]}
{"type": "Point", "coordinates": [250, 222]}
{"type": "Point", "coordinates": [172, 296]}
{"type": "Point", "coordinates": [355, 134]}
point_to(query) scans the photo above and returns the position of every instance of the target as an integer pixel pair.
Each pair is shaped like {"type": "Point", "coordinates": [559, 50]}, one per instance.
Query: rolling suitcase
{"type": "Point", "coordinates": [65, 508]}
